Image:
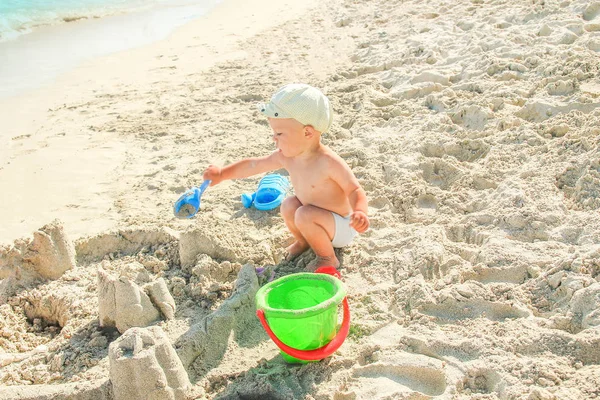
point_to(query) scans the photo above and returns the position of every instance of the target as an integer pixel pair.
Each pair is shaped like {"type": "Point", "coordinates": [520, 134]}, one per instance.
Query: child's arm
{"type": "Point", "coordinates": [343, 176]}
{"type": "Point", "coordinates": [243, 168]}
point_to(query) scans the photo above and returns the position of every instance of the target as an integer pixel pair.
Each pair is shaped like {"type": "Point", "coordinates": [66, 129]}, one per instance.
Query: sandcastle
{"type": "Point", "coordinates": [47, 256]}
{"type": "Point", "coordinates": [123, 304]}
{"type": "Point", "coordinates": [129, 301]}
{"type": "Point", "coordinates": [143, 365]}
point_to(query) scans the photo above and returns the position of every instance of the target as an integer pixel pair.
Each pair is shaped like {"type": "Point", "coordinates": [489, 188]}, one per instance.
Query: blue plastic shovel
{"type": "Point", "coordinates": [188, 204]}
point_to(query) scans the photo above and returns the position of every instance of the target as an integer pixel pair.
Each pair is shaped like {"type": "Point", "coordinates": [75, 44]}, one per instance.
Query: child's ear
{"type": "Point", "coordinates": [309, 131]}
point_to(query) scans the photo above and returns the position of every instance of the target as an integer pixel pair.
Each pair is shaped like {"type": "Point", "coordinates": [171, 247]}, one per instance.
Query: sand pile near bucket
{"type": "Point", "coordinates": [472, 126]}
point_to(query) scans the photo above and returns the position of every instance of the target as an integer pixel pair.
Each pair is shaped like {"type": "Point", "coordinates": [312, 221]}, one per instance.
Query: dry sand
{"type": "Point", "coordinates": [474, 128]}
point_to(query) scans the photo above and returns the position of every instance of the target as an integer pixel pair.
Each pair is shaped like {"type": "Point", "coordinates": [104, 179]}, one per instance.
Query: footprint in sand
{"type": "Point", "coordinates": [471, 117]}
{"type": "Point", "coordinates": [457, 310]}
{"type": "Point", "coordinates": [427, 202]}
{"type": "Point", "coordinates": [440, 173]}
{"type": "Point", "coordinates": [466, 150]}
{"type": "Point", "coordinates": [514, 274]}
{"type": "Point", "coordinates": [461, 233]}
{"type": "Point", "coordinates": [384, 380]}
{"type": "Point", "coordinates": [482, 381]}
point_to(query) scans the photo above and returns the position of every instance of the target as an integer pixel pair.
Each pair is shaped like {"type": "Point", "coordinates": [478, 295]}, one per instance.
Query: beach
{"type": "Point", "coordinates": [473, 126]}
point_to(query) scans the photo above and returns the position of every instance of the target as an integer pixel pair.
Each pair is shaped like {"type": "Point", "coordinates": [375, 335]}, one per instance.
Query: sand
{"type": "Point", "coordinates": [473, 126]}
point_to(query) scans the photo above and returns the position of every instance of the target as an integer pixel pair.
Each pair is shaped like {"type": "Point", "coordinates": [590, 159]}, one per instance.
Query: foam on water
{"type": "Point", "coordinates": [18, 17]}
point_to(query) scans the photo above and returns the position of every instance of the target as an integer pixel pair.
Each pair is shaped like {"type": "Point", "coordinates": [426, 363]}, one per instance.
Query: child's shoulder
{"type": "Point", "coordinates": [332, 158]}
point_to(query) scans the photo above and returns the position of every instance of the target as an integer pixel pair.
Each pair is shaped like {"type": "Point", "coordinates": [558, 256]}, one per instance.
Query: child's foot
{"type": "Point", "coordinates": [295, 249]}
{"type": "Point", "coordinates": [322, 262]}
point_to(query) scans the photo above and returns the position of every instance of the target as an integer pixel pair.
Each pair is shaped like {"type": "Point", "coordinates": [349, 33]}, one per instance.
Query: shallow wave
{"type": "Point", "coordinates": [18, 17]}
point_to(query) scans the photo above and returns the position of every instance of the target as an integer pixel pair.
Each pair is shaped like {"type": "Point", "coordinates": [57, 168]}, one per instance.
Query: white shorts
{"type": "Point", "coordinates": [344, 233]}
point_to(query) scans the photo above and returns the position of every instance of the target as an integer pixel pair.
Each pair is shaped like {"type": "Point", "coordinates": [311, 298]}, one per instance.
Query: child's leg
{"type": "Point", "coordinates": [317, 227]}
{"type": "Point", "coordinates": [288, 212]}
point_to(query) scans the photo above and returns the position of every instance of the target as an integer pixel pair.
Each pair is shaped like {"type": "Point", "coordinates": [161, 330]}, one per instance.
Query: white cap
{"type": "Point", "coordinates": [304, 103]}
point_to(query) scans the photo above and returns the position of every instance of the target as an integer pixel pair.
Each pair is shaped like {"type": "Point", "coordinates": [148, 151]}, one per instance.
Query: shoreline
{"type": "Point", "coordinates": [35, 59]}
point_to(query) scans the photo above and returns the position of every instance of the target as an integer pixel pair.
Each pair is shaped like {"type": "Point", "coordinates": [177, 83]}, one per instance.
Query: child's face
{"type": "Point", "coordinates": [288, 135]}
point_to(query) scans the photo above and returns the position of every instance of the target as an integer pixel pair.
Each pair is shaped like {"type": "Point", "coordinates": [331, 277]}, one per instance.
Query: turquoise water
{"type": "Point", "coordinates": [18, 17]}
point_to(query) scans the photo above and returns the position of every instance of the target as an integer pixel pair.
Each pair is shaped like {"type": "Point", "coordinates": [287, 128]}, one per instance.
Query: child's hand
{"type": "Point", "coordinates": [212, 173]}
{"type": "Point", "coordinates": [359, 221]}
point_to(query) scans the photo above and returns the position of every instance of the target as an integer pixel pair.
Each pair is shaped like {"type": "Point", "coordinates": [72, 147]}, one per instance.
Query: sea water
{"type": "Point", "coordinates": [18, 17]}
{"type": "Point", "coordinates": [40, 39]}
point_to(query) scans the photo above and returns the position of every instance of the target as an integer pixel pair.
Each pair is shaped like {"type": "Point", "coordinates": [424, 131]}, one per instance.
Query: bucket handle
{"type": "Point", "coordinates": [316, 354]}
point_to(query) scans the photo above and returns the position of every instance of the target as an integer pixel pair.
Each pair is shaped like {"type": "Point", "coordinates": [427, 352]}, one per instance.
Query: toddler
{"type": "Point", "coordinates": [329, 206]}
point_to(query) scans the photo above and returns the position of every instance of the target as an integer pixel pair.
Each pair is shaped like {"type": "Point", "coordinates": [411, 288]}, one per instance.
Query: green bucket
{"type": "Point", "coordinates": [299, 312]}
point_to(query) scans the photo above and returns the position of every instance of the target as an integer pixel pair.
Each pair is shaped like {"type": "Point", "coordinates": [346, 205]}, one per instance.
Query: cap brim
{"type": "Point", "coordinates": [271, 110]}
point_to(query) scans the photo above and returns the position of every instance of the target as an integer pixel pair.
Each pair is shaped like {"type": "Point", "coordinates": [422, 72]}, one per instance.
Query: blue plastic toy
{"type": "Point", "coordinates": [188, 204]}
{"type": "Point", "coordinates": [270, 193]}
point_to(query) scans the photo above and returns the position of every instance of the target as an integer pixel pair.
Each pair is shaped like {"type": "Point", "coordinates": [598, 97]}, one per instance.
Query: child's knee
{"type": "Point", "coordinates": [289, 206]}
{"type": "Point", "coordinates": [304, 216]}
